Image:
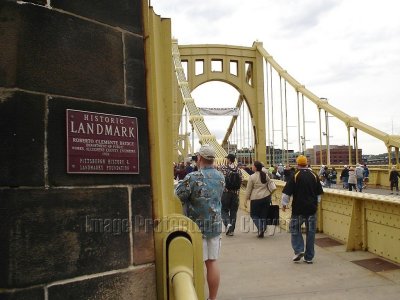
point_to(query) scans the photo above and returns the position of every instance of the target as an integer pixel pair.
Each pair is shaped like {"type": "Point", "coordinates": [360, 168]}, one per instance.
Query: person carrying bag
{"type": "Point", "coordinates": [271, 186]}
{"type": "Point", "coordinates": [259, 195]}
{"type": "Point", "coordinates": [273, 210]}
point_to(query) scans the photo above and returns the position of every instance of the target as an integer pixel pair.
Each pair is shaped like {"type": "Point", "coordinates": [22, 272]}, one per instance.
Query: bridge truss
{"type": "Point", "coordinates": [250, 84]}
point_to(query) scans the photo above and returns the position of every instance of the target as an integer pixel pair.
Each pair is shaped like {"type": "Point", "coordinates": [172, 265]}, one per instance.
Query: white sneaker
{"type": "Point", "coordinates": [298, 257]}
{"type": "Point", "coordinates": [307, 261]}
{"type": "Point", "coordinates": [228, 229]}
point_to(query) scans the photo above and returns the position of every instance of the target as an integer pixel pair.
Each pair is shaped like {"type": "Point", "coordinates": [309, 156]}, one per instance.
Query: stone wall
{"type": "Point", "coordinates": [83, 55]}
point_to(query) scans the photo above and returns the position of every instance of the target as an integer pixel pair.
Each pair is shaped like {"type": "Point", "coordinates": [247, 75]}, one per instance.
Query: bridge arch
{"type": "Point", "coordinates": [248, 78]}
{"type": "Point", "coordinates": [240, 67]}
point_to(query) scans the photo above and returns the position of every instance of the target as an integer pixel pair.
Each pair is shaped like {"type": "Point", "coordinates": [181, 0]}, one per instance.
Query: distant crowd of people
{"type": "Point", "coordinates": [351, 178]}
{"type": "Point", "coordinates": [355, 178]}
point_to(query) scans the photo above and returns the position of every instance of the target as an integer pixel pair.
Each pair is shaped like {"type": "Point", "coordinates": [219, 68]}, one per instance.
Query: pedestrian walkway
{"type": "Point", "coordinates": [253, 268]}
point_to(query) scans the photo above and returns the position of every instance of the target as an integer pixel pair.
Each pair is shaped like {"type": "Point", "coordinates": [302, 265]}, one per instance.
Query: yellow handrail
{"type": "Point", "coordinates": [180, 266]}
{"type": "Point", "coordinates": [182, 284]}
{"type": "Point", "coordinates": [180, 260]}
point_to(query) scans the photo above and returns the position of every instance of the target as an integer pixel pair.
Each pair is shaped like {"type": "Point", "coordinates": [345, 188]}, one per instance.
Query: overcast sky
{"type": "Point", "coordinates": [345, 50]}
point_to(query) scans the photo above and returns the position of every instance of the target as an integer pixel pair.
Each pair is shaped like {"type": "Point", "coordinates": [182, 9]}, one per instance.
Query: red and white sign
{"type": "Point", "coordinates": [100, 143]}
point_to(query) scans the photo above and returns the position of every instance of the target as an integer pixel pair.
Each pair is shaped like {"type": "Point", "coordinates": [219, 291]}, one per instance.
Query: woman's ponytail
{"type": "Point", "coordinates": [259, 167]}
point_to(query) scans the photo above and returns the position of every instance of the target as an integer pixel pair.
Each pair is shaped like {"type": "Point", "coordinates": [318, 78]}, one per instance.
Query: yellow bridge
{"type": "Point", "coordinates": [360, 221]}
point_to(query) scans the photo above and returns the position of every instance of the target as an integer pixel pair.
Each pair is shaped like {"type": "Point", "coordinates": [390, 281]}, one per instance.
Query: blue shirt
{"type": "Point", "coordinates": [200, 193]}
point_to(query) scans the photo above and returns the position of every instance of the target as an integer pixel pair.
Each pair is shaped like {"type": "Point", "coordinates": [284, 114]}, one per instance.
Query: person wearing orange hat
{"type": "Point", "coordinates": [306, 190]}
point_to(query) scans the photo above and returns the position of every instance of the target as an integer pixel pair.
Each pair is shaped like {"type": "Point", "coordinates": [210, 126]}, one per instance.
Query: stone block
{"type": "Point", "coordinates": [57, 53]}
{"type": "Point", "coordinates": [55, 234]}
{"type": "Point", "coordinates": [142, 225]}
{"type": "Point", "coordinates": [21, 139]}
{"type": "Point", "coordinates": [31, 294]}
{"type": "Point", "coordinates": [135, 71]}
{"type": "Point", "coordinates": [126, 14]}
{"type": "Point", "coordinates": [134, 284]}
{"type": "Point", "coordinates": [39, 2]}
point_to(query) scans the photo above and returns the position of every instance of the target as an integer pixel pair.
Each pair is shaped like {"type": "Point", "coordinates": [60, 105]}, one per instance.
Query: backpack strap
{"type": "Point", "coordinates": [295, 175]}
{"type": "Point", "coordinates": [298, 172]}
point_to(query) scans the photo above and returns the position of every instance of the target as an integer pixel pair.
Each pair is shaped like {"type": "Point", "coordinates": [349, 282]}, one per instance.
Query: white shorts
{"type": "Point", "coordinates": [211, 248]}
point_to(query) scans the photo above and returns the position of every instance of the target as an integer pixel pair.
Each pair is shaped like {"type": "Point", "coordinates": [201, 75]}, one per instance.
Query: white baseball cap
{"type": "Point", "coordinates": [207, 152]}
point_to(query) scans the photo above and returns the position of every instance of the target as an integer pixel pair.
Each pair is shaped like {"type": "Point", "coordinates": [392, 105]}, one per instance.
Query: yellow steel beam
{"type": "Point", "coordinates": [159, 82]}
{"type": "Point", "coordinates": [159, 94]}
{"type": "Point", "coordinates": [389, 140]}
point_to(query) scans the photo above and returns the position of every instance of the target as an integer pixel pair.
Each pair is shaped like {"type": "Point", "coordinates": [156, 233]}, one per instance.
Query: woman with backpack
{"type": "Point", "coordinates": [259, 196]}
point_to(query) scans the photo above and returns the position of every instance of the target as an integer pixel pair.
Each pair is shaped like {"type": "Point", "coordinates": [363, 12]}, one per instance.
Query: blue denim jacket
{"type": "Point", "coordinates": [200, 193]}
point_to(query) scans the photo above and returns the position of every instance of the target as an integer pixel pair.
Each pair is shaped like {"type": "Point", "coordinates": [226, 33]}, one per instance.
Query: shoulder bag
{"type": "Point", "coordinates": [271, 186]}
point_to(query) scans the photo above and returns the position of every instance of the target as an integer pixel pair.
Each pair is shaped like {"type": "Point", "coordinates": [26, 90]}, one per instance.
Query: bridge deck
{"type": "Point", "coordinates": [253, 268]}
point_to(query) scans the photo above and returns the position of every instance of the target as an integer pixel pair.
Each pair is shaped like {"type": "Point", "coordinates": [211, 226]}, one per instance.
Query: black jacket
{"type": "Point", "coordinates": [345, 173]}
{"type": "Point", "coordinates": [394, 176]}
{"type": "Point", "coordinates": [305, 188]}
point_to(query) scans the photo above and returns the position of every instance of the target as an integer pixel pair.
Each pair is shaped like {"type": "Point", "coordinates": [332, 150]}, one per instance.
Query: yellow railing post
{"type": "Point", "coordinates": [356, 235]}
{"type": "Point", "coordinates": [180, 263]}
{"type": "Point", "coordinates": [180, 268]}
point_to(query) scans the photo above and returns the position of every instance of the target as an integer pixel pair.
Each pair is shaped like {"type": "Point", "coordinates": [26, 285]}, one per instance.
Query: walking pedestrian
{"type": "Point", "coordinates": [394, 180]}
{"type": "Point", "coordinates": [360, 177]}
{"type": "Point", "coordinates": [230, 196]}
{"type": "Point", "coordinates": [287, 173]}
{"type": "Point", "coordinates": [352, 182]}
{"type": "Point", "coordinates": [306, 189]}
{"type": "Point", "coordinates": [333, 177]}
{"type": "Point", "coordinates": [366, 176]}
{"type": "Point", "coordinates": [326, 177]}
{"type": "Point", "coordinates": [344, 177]}
{"type": "Point", "coordinates": [258, 194]}
{"type": "Point", "coordinates": [201, 192]}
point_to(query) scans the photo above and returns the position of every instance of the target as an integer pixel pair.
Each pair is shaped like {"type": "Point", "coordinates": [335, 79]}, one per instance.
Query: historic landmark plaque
{"type": "Point", "coordinates": [100, 143]}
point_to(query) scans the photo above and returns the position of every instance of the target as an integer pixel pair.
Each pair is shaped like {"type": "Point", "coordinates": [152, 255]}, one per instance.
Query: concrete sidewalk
{"type": "Point", "coordinates": [253, 268]}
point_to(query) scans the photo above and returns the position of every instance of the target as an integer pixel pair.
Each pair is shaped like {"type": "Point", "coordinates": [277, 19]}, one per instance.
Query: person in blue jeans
{"type": "Point", "coordinates": [360, 177]}
{"type": "Point", "coordinates": [306, 189]}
